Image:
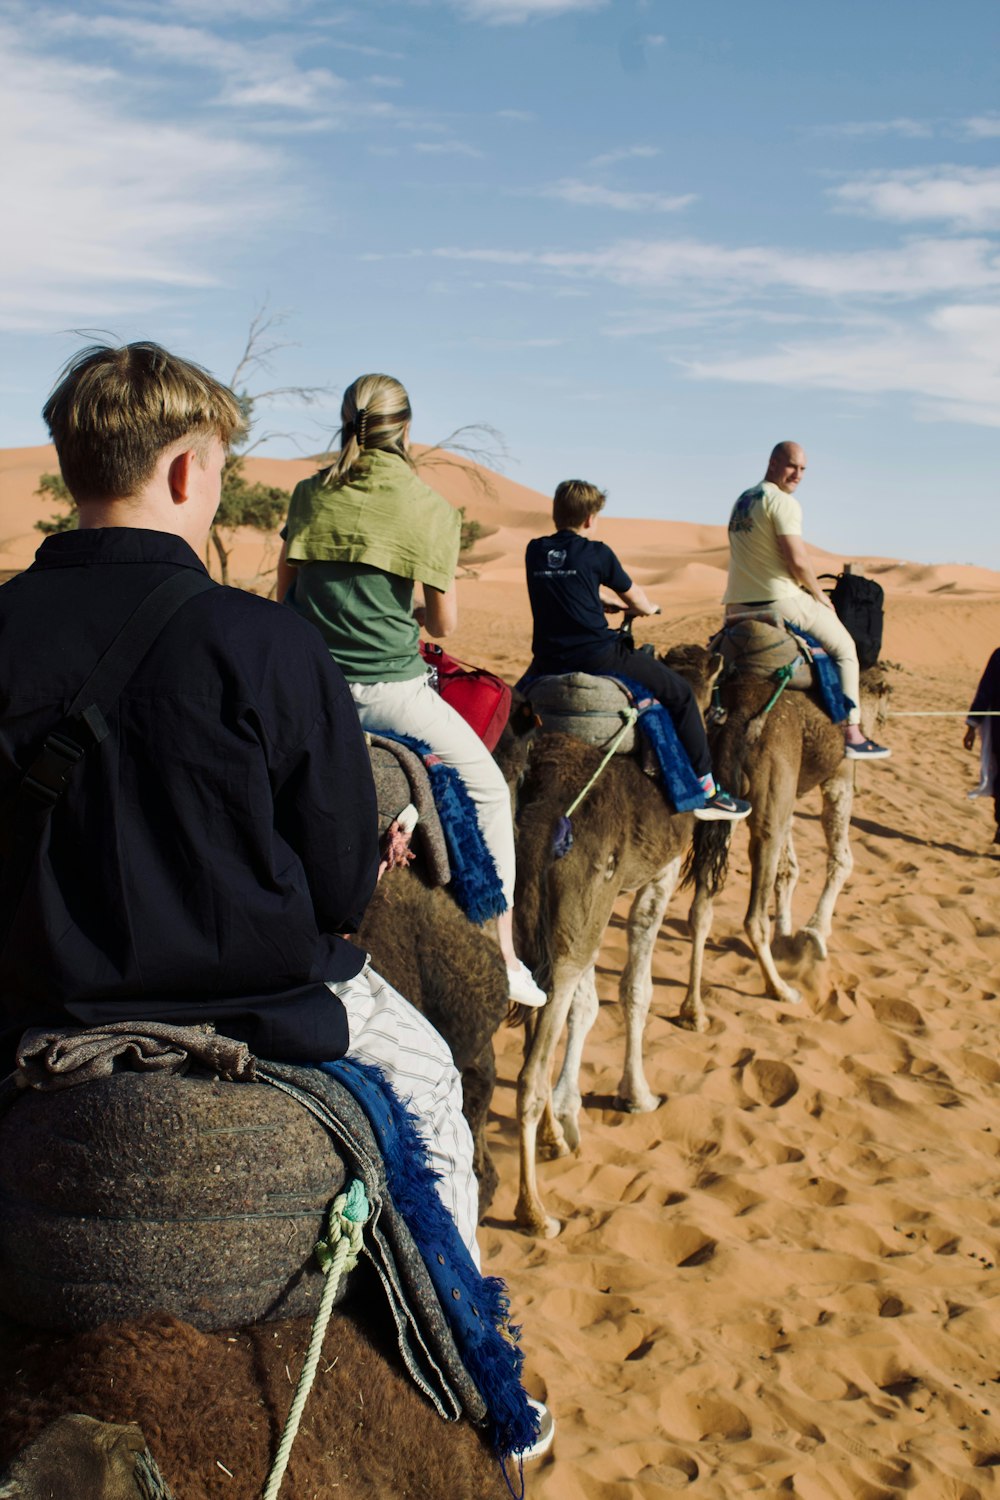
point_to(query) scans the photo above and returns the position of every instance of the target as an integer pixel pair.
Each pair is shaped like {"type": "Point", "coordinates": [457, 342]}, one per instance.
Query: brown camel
{"type": "Point", "coordinates": [453, 973]}
{"type": "Point", "coordinates": [772, 759]}
{"type": "Point", "coordinates": [626, 838]}
{"type": "Point", "coordinates": [211, 1407]}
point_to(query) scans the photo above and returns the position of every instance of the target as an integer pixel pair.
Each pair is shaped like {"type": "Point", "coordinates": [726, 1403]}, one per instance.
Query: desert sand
{"type": "Point", "coordinates": [785, 1280]}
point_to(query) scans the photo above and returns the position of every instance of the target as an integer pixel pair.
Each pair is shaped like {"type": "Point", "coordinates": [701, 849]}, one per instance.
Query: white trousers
{"type": "Point", "coordinates": [414, 708]}
{"type": "Point", "coordinates": [803, 610]}
{"type": "Point", "coordinates": [387, 1030]}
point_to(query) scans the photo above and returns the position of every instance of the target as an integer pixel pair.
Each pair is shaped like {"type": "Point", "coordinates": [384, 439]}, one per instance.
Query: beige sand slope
{"type": "Point", "coordinates": [785, 1280]}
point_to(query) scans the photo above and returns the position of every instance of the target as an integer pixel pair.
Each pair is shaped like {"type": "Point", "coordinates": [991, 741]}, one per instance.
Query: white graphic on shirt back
{"type": "Point", "coordinates": [555, 557]}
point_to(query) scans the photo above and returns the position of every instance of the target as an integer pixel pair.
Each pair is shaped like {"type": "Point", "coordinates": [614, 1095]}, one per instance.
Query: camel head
{"type": "Point", "coordinates": [700, 666]}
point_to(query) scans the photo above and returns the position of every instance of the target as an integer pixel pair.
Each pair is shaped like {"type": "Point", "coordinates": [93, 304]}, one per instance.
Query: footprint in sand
{"type": "Point", "coordinates": [698, 1417]}
{"type": "Point", "coordinates": [898, 1013]}
{"type": "Point", "coordinates": [770, 1082]}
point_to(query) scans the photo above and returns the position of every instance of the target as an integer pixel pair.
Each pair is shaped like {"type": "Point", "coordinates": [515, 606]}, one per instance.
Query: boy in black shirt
{"type": "Point", "coordinates": [565, 575]}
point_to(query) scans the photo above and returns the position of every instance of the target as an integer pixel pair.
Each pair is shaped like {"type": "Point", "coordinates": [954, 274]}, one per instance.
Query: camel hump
{"type": "Point", "coordinates": [141, 1192]}
{"type": "Point", "coordinates": [757, 647]}
{"type": "Point", "coordinates": [587, 707]}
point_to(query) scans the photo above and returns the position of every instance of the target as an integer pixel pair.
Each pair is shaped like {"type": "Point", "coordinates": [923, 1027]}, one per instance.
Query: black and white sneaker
{"type": "Point", "coordinates": [723, 807]}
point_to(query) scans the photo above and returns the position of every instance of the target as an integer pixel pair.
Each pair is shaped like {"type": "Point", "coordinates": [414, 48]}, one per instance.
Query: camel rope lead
{"type": "Point", "coordinates": [562, 841]}
{"type": "Point", "coordinates": [784, 676]}
{"type": "Point", "coordinates": [337, 1255]}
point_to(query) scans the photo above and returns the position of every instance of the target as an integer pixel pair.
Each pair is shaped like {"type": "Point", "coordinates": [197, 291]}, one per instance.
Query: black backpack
{"type": "Point", "coordinates": [859, 603]}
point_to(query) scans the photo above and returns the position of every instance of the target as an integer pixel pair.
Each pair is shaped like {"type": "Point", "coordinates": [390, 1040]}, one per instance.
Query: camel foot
{"type": "Point", "coordinates": [691, 1018]}
{"type": "Point", "coordinates": [571, 1134]}
{"type": "Point", "coordinates": [813, 938]}
{"type": "Point", "coordinates": [786, 995]}
{"type": "Point", "coordinates": [643, 1106]}
{"type": "Point", "coordinates": [531, 1219]}
{"type": "Point", "coordinates": [553, 1148]}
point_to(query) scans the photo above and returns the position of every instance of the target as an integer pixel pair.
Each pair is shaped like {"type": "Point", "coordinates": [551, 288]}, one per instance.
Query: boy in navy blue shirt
{"type": "Point", "coordinates": [565, 574]}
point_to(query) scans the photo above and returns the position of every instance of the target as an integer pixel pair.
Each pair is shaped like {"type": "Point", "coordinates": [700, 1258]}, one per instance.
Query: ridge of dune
{"type": "Point", "coordinates": [656, 551]}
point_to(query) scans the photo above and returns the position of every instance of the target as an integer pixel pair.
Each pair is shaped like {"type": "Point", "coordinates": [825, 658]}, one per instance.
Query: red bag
{"type": "Point", "coordinates": [482, 698]}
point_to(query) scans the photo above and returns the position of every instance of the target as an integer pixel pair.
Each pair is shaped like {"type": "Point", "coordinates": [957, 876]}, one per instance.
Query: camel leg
{"type": "Point", "coordinates": [533, 1087]}
{"type": "Point", "coordinates": [636, 988]}
{"type": "Point", "coordinates": [838, 800]}
{"type": "Point", "coordinates": [566, 1099]}
{"type": "Point", "coordinates": [692, 1015]}
{"type": "Point", "coordinates": [784, 885]}
{"type": "Point", "coordinates": [765, 854]}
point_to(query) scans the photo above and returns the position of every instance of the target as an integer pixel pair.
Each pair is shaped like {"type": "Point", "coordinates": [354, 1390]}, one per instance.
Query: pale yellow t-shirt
{"type": "Point", "coordinates": [756, 567]}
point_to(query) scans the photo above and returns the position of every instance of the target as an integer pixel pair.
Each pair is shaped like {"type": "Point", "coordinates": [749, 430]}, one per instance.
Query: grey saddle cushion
{"type": "Point", "coordinates": [758, 647]}
{"type": "Point", "coordinates": [587, 707]}
{"type": "Point", "coordinates": [145, 1192]}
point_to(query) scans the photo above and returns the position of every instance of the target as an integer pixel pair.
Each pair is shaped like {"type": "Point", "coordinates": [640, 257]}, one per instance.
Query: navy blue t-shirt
{"type": "Point", "coordinates": [565, 574]}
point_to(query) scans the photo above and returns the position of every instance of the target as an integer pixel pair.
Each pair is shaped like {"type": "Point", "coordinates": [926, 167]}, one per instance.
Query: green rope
{"type": "Point", "coordinates": [629, 715]}
{"type": "Point", "coordinates": [337, 1255]}
{"type": "Point", "coordinates": [784, 676]}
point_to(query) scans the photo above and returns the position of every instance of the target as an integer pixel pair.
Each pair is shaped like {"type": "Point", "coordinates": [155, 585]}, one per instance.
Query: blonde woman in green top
{"type": "Point", "coordinates": [361, 535]}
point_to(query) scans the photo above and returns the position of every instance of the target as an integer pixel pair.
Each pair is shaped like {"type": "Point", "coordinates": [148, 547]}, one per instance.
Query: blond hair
{"type": "Point", "coordinates": [115, 410]}
{"type": "Point", "coordinates": [575, 500]}
{"type": "Point", "coordinates": [373, 416]}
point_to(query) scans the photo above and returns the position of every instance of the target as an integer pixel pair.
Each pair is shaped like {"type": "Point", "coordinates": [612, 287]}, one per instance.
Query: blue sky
{"type": "Point", "coordinates": [642, 240]}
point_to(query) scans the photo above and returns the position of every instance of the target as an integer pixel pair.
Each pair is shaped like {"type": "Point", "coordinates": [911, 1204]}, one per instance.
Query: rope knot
{"type": "Point", "coordinates": [342, 1245]}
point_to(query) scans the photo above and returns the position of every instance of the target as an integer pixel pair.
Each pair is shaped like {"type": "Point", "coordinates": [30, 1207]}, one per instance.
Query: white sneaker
{"type": "Point", "coordinates": [522, 987]}
{"type": "Point", "coordinates": [546, 1432]}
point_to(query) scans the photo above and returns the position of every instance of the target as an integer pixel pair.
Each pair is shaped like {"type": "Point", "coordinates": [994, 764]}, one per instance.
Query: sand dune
{"type": "Point", "coordinates": [785, 1280]}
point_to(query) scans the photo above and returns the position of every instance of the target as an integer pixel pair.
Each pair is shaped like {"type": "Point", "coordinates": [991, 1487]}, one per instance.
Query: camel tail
{"type": "Point", "coordinates": [707, 862]}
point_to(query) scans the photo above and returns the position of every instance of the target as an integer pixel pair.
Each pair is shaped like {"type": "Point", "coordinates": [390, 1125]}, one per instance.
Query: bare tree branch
{"type": "Point", "coordinates": [481, 445]}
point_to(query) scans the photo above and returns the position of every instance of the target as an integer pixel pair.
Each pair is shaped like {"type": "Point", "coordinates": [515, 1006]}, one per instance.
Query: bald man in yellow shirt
{"type": "Point", "coordinates": [769, 568]}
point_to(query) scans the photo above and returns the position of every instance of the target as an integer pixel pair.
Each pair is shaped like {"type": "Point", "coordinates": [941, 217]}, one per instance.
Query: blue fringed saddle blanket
{"type": "Point", "coordinates": [475, 882]}
{"type": "Point", "coordinates": [656, 727]}
{"type": "Point", "coordinates": [762, 644]}
{"type": "Point", "coordinates": [834, 699]}
{"type": "Point", "coordinates": [560, 701]}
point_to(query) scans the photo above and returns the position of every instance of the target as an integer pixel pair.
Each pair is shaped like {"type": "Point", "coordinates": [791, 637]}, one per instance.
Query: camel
{"type": "Point", "coordinates": [626, 839]}
{"type": "Point", "coordinates": [774, 758]}
{"type": "Point", "coordinates": [211, 1407]}
{"type": "Point", "coordinates": [453, 973]}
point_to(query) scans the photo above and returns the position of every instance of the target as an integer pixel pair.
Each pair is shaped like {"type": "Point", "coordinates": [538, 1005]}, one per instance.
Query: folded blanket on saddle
{"type": "Point", "coordinates": [766, 646]}
{"type": "Point", "coordinates": [475, 883]}
{"type": "Point", "coordinates": [400, 778]}
{"type": "Point", "coordinates": [594, 707]}
{"type": "Point", "coordinates": [452, 1324]}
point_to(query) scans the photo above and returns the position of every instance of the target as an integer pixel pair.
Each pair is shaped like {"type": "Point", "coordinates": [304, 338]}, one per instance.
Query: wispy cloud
{"type": "Point", "coordinates": [521, 116]}
{"type": "Point", "coordinates": [918, 268]}
{"type": "Point", "coordinates": [259, 75]}
{"type": "Point", "coordinates": [101, 206]}
{"type": "Point", "coordinates": [624, 153]}
{"type": "Point", "coordinates": [901, 126]}
{"type": "Point", "coordinates": [982, 127]}
{"type": "Point", "coordinates": [596, 195]}
{"type": "Point", "coordinates": [950, 362]}
{"type": "Point", "coordinates": [967, 197]}
{"type": "Point", "coordinates": [446, 148]}
{"type": "Point", "coordinates": [525, 343]}
{"type": "Point", "coordinates": [516, 12]}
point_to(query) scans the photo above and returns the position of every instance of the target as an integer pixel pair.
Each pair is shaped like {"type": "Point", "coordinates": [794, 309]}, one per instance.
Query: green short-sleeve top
{"type": "Point", "coordinates": [359, 547]}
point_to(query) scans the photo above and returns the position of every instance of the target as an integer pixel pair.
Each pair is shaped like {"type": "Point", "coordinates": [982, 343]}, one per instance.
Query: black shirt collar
{"type": "Point", "coordinates": [115, 544]}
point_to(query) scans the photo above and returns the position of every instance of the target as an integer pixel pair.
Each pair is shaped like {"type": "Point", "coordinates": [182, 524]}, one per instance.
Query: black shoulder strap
{"type": "Point", "coordinates": [23, 818]}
